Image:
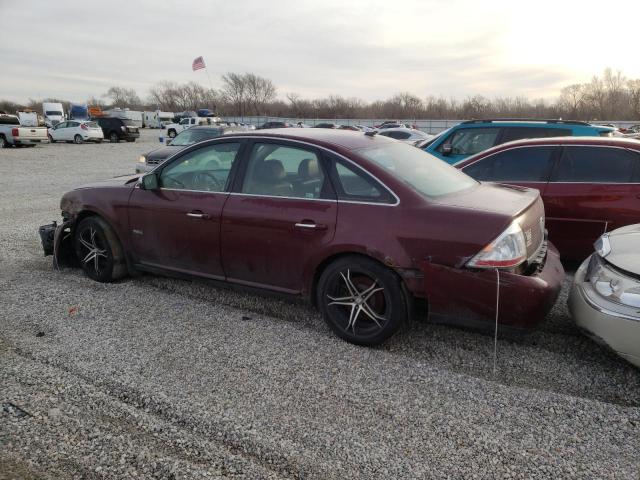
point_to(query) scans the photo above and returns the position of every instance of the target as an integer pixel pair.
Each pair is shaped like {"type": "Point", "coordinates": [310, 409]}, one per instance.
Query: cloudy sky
{"type": "Point", "coordinates": [371, 49]}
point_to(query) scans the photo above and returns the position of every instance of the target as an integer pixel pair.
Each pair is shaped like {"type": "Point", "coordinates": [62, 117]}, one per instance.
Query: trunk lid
{"type": "Point", "coordinates": [516, 203]}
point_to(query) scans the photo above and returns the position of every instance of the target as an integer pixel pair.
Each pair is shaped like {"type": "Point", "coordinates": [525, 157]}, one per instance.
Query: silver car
{"type": "Point", "coordinates": [605, 296]}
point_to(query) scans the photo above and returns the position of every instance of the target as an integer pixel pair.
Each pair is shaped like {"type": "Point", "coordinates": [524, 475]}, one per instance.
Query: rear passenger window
{"type": "Point", "coordinates": [355, 185]}
{"type": "Point", "coordinates": [527, 164]}
{"type": "Point", "coordinates": [282, 171]}
{"type": "Point", "coordinates": [468, 141]}
{"type": "Point", "coordinates": [596, 165]}
{"type": "Point", "coordinates": [518, 133]}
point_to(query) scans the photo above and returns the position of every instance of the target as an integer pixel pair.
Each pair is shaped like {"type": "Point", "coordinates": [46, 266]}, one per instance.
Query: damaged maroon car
{"type": "Point", "coordinates": [360, 224]}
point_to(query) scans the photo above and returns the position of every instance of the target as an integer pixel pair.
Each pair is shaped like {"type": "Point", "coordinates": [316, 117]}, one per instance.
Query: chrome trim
{"type": "Point", "coordinates": [288, 198]}
{"type": "Point", "coordinates": [197, 215]}
{"type": "Point", "coordinates": [604, 310]}
{"type": "Point", "coordinates": [306, 225]}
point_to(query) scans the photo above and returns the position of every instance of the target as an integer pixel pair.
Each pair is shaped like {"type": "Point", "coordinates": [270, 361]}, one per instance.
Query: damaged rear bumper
{"type": "Point", "coordinates": [468, 297]}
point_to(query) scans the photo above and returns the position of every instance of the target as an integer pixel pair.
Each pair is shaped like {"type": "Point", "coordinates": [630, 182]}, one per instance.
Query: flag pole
{"type": "Point", "coordinates": [210, 84]}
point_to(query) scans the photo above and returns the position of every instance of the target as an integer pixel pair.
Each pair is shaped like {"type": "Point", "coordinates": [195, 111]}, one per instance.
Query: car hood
{"type": "Point", "coordinates": [163, 153]}
{"type": "Point", "coordinates": [625, 253]}
{"type": "Point", "coordinates": [122, 181]}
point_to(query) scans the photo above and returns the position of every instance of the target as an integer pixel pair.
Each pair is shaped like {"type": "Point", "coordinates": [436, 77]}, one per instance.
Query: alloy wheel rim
{"type": "Point", "coordinates": [92, 251]}
{"type": "Point", "coordinates": [363, 306]}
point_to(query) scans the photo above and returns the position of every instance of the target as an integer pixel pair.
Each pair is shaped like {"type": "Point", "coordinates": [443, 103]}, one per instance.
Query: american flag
{"type": "Point", "coordinates": [198, 63]}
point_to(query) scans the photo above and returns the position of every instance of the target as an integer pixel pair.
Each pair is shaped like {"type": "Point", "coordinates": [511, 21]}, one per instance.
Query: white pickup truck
{"type": "Point", "coordinates": [175, 128]}
{"type": "Point", "coordinates": [11, 133]}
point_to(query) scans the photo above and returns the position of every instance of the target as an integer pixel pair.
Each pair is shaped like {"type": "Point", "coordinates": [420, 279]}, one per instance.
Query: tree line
{"type": "Point", "coordinates": [609, 96]}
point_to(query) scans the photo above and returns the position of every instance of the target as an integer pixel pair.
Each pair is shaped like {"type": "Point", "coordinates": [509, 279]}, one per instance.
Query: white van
{"type": "Point", "coordinates": [53, 113]}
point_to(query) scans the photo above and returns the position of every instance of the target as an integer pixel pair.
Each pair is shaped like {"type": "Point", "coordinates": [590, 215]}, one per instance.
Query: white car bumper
{"type": "Point", "coordinates": [609, 323]}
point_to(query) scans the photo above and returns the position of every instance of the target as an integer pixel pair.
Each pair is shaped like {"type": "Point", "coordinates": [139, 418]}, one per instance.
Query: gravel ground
{"type": "Point", "coordinates": [162, 378]}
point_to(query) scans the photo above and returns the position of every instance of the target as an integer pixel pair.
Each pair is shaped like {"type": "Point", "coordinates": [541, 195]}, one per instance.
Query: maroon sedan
{"type": "Point", "coordinates": [360, 224]}
{"type": "Point", "coordinates": [589, 185]}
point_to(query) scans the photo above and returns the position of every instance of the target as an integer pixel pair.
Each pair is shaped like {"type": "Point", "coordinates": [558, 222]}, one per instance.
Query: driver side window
{"type": "Point", "coordinates": [204, 170]}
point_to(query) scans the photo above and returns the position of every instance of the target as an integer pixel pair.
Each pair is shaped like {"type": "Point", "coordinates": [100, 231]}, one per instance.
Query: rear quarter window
{"type": "Point", "coordinates": [595, 165]}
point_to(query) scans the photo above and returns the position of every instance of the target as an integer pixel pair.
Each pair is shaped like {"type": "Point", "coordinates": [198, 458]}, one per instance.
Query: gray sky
{"type": "Point", "coordinates": [370, 49]}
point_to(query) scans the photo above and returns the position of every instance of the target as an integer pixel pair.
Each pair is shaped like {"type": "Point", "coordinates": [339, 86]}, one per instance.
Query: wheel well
{"type": "Point", "coordinates": [329, 260]}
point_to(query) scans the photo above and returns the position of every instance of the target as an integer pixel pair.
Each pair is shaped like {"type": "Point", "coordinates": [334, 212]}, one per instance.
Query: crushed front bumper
{"type": "Point", "coordinates": [607, 323]}
{"type": "Point", "coordinates": [465, 297]}
{"type": "Point", "coordinates": [57, 241]}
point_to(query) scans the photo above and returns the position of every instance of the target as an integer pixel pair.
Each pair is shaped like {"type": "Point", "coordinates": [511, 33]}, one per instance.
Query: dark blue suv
{"type": "Point", "coordinates": [473, 136]}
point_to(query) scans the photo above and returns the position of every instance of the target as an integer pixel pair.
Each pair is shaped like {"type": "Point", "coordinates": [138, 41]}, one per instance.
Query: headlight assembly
{"type": "Point", "coordinates": [611, 285]}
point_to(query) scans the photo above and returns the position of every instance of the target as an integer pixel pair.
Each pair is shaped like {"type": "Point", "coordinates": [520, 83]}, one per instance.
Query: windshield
{"type": "Point", "coordinates": [425, 173]}
{"type": "Point", "coordinates": [189, 137]}
{"type": "Point", "coordinates": [53, 112]}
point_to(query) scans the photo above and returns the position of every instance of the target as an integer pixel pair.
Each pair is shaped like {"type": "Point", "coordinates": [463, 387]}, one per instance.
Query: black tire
{"type": "Point", "coordinates": [99, 140]}
{"type": "Point", "coordinates": [94, 236]}
{"type": "Point", "coordinates": [377, 310]}
{"type": "Point", "coordinates": [78, 139]}
{"type": "Point", "coordinates": [131, 139]}
{"type": "Point", "coordinates": [113, 137]}
{"type": "Point", "coordinates": [171, 133]}
{"type": "Point", "coordinates": [3, 142]}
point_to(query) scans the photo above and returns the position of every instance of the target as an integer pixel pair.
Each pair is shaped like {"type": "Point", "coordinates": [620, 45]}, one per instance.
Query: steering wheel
{"type": "Point", "coordinates": [202, 179]}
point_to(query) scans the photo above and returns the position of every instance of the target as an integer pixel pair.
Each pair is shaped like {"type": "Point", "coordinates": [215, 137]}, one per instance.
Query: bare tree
{"type": "Point", "coordinates": [234, 90]}
{"type": "Point", "coordinates": [572, 98]}
{"type": "Point", "coordinates": [123, 97]}
{"type": "Point", "coordinates": [259, 91]}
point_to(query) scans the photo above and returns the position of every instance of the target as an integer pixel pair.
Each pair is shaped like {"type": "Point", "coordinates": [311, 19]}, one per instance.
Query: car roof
{"type": "Point", "coordinates": [348, 139]}
{"type": "Point", "coordinates": [528, 142]}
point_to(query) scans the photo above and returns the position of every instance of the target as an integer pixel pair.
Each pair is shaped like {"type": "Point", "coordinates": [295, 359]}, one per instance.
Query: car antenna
{"type": "Point", "coordinates": [372, 133]}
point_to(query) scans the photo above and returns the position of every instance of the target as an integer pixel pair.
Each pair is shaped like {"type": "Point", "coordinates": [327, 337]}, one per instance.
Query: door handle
{"type": "Point", "coordinates": [311, 226]}
{"type": "Point", "coordinates": [197, 214]}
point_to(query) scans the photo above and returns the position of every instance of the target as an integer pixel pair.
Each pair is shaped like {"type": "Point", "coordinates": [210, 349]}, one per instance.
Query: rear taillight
{"type": "Point", "coordinates": [15, 132]}
{"type": "Point", "coordinates": [507, 251]}
{"type": "Point", "coordinates": [84, 127]}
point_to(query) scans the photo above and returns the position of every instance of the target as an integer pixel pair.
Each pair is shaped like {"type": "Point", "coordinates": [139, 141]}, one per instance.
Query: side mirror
{"type": "Point", "coordinates": [149, 182]}
{"type": "Point", "coordinates": [447, 149]}
{"type": "Point", "coordinates": [167, 141]}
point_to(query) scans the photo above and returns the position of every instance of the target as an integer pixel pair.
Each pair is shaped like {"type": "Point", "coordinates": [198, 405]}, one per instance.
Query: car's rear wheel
{"type": "Point", "coordinates": [99, 251]}
{"type": "Point", "coordinates": [77, 139]}
{"type": "Point", "coordinates": [361, 300]}
{"type": "Point", "coordinates": [3, 142]}
{"type": "Point", "coordinates": [113, 137]}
